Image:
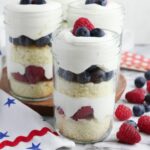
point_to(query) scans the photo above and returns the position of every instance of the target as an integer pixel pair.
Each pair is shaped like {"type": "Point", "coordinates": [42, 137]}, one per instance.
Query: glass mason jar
{"type": "Point", "coordinates": [29, 58]}
{"type": "Point", "coordinates": [85, 71]}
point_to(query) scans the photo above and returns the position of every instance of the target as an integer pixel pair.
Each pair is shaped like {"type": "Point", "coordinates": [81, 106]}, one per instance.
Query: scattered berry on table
{"type": "Point", "coordinates": [148, 86]}
{"type": "Point", "coordinates": [140, 82]}
{"type": "Point", "coordinates": [131, 122]}
{"type": "Point", "coordinates": [82, 22]}
{"type": "Point", "coordinates": [123, 112]}
{"type": "Point", "coordinates": [147, 99]}
{"type": "Point", "coordinates": [147, 107]}
{"type": "Point", "coordinates": [136, 96]}
{"type": "Point", "coordinates": [97, 32]}
{"type": "Point", "coordinates": [147, 75]}
{"type": "Point", "coordinates": [128, 134]}
{"type": "Point", "coordinates": [82, 31]}
{"type": "Point", "coordinates": [144, 124]}
{"type": "Point", "coordinates": [138, 110]}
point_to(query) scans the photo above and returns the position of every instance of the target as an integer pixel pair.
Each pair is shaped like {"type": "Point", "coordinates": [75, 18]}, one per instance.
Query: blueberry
{"type": "Point", "coordinates": [102, 2]}
{"type": "Point", "coordinates": [108, 75]}
{"type": "Point", "coordinates": [147, 99]}
{"type": "Point", "coordinates": [131, 122]}
{"type": "Point", "coordinates": [97, 32]}
{"type": "Point", "coordinates": [25, 41]}
{"type": "Point", "coordinates": [16, 41]}
{"type": "Point", "coordinates": [10, 39]}
{"type": "Point", "coordinates": [25, 2]}
{"type": "Point", "coordinates": [97, 76]}
{"type": "Point", "coordinates": [140, 82]}
{"type": "Point", "coordinates": [147, 107]}
{"type": "Point", "coordinates": [147, 75]}
{"type": "Point", "coordinates": [83, 78]}
{"type": "Point", "coordinates": [43, 41]}
{"type": "Point", "coordinates": [138, 110]}
{"type": "Point", "coordinates": [38, 2]}
{"type": "Point", "coordinates": [82, 31]}
{"type": "Point", "coordinates": [90, 1]}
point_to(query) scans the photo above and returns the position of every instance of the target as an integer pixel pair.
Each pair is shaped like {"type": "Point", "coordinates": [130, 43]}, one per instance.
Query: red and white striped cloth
{"type": "Point", "coordinates": [134, 61]}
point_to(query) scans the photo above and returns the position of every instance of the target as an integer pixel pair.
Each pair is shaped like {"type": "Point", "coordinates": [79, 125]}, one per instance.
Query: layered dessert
{"type": "Point", "coordinates": [105, 14]}
{"type": "Point", "coordinates": [85, 63]}
{"type": "Point", "coordinates": [29, 26]}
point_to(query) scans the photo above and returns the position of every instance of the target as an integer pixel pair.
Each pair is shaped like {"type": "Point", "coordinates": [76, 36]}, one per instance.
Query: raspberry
{"type": "Point", "coordinates": [123, 112]}
{"type": "Point", "coordinates": [85, 112]}
{"type": "Point", "coordinates": [144, 124]}
{"type": "Point", "coordinates": [136, 96]}
{"type": "Point", "coordinates": [82, 22]}
{"type": "Point", "coordinates": [128, 134]}
{"type": "Point", "coordinates": [148, 86]}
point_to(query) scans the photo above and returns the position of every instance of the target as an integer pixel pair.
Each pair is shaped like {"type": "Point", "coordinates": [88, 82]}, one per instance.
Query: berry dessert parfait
{"type": "Point", "coordinates": [85, 64]}
{"type": "Point", "coordinates": [29, 25]}
{"type": "Point", "coordinates": [105, 14]}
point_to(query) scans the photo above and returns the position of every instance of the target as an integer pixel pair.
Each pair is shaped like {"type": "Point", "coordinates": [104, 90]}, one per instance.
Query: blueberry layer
{"type": "Point", "coordinates": [25, 41]}
{"type": "Point", "coordinates": [93, 74]}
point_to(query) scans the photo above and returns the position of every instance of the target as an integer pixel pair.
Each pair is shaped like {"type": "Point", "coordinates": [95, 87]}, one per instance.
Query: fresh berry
{"type": "Point", "coordinates": [25, 2]}
{"type": "Point", "coordinates": [140, 82]}
{"type": "Point", "coordinates": [38, 2]}
{"type": "Point", "coordinates": [138, 110]}
{"type": "Point", "coordinates": [82, 31]}
{"type": "Point", "coordinates": [97, 76]}
{"type": "Point", "coordinates": [108, 75]}
{"type": "Point", "coordinates": [131, 122]}
{"type": "Point", "coordinates": [102, 2]}
{"type": "Point", "coordinates": [25, 41]}
{"type": "Point", "coordinates": [83, 78]}
{"type": "Point", "coordinates": [43, 41]}
{"type": "Point", "coordinates": [144, 124]}
{"type": "Point", "coordinates": [83, 22]}
{"type": "Point", "coordinates": [136, 96]}
{"type": "Point", "coordinates": [147, 75]}
{"type": "Point", "coordinates": [147, 99]}
{"type": "Point", "coordinates": [128, 134]}
{"type": "Point", "coordinates": [33, 75]}
{"type": "Point", "coordinates": [84, 113]}
{"type": "Point", "coordinates": [147, 107]}
{"type": "Point", "coordinates": [148, 86]}
{"type": "Point", "coordinates": [90, 1]}
{"type": "Point", "coordinates": [97, 32]}
{"type": "Point", "coordinates": [123, 112]}
{"type": "Point", "coordinates": [60, 110]}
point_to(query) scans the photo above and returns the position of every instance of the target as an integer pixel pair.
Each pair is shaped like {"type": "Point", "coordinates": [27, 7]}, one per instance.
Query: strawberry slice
{"type": "Point", "coordinates": [33, 75]}
{"type": "Point", "coordinates": [82, 22]}
{"type": "Point", "coordinates": [86, 112]}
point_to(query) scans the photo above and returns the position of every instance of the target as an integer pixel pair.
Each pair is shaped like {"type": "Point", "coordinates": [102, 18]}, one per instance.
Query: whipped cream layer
{"type": "Point", "coordinates": [102, 106]}
{"type": "Point", "coordinates": [33, 21]}
{"type": "Point", "coordinates": [14, 67]}
{"type": "Point", "coordinates": [76, 54]}
{"type": "Point", "coordinates": [110, 17]}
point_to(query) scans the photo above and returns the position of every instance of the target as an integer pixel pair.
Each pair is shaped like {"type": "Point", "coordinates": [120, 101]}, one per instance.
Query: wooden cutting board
{"type": "Point", "coordinates": [45, 108]}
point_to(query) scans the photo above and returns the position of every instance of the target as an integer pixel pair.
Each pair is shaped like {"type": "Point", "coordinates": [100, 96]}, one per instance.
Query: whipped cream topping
{"type": "Point", "coordinates": [110, 17]}
{"type": "Point", "coordinates": [33, 21]}
{"type": "Point", "coordinates": [76, 54]}
{"type": "Point", "coordinates": [102, 106]}
{"type": "Point", "coordinates": [14, 67]}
